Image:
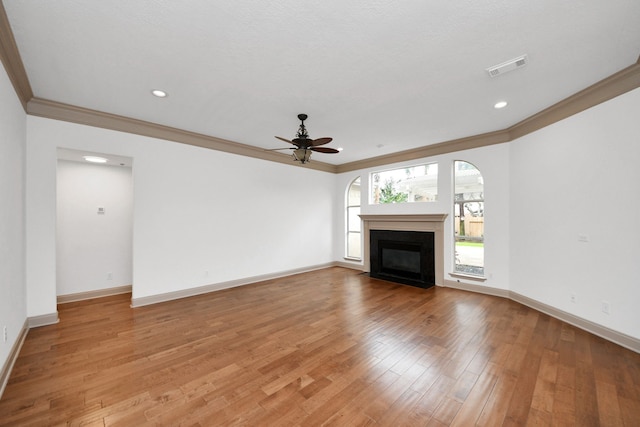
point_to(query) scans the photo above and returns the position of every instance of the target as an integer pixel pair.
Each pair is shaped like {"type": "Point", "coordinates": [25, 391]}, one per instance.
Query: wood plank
{"type": "Point", "coordinates": [330, 347]}
{"type": "Point", "coordinates": [475, 401]}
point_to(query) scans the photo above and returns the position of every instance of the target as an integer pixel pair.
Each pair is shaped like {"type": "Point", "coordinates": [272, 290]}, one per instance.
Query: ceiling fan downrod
{"type": "Point", "coordinates": [302, 131]}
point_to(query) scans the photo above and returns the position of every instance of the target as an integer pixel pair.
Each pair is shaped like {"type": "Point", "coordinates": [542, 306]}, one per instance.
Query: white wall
{"type": "Point", "coordinates": [13, 311]}
{"type": "Point", "coordinates": [580, 177]}
{"type": "Point", "coordinates": [200, 217]}
{"type": "Point", "coordinates": [577, 177]}
{"type": "Point", "coordinates": [493, 163]}
{"type": "Point", "coordinates": [93, 251]}
{"type": "Point", "coordinates": [199, 211]}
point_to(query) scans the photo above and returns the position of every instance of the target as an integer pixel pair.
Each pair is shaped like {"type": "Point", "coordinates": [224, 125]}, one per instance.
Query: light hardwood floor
{"type": "Point", "coordinates": [330, 347]}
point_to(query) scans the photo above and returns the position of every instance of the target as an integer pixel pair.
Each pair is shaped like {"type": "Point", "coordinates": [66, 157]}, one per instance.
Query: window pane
{"type": "Point", "coordinates": [469, 218]}
{"type": "Point", "coordinates": [354, 194]}
{"type": "Point", "coordinates": [353, 223]}
{"type": "Point", "coordinates": [353, 245]}
{"type": "Point", "coordinates": [405, 185]}
{"type": "Point", "coordinates": [354, 219]}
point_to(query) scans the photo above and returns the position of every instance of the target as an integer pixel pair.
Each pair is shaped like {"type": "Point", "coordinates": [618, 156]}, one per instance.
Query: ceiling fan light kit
{"type": "Point", "coordinates": [305, 145]}
{"type": "Point", "coordinates": [302, 155]}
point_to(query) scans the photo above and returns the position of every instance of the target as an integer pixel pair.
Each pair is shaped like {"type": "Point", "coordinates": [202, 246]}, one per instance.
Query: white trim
{"type": "Point", "coordinates": [467, 276]}
{"type": "Point", "coordinates": [43, 320]}
{"type": "Point", "coordinates": [5, 373]}
{"type": "Point", "coordinates": [355, 265]}
{"type": "Point", "coordinates": [184, 293]}
{"type": "Point", "coordinates": [616, 337]}
{"type": "Point", "coordinates": [99, 293]}
{"type": "Point", "coordinates": [619, 338]}
{"type": "Point", "coordinates": [480, 289]}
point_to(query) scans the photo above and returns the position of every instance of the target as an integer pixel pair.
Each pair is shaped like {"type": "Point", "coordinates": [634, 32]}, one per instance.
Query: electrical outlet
{"type": "Point", "coordinates": [606, 307]}
{"type": "Point", "coordinates": [574, 298]}
{"type": "Point", "coordinates": [109, 276]}
{"type": "Point", "coordinates": [4, 334]}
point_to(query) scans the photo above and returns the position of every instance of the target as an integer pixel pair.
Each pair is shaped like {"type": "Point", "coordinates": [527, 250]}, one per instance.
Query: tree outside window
{"type": "Point", "coordinates": [405, 185]}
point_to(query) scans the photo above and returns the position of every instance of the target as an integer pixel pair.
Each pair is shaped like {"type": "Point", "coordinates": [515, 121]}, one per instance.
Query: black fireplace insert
{"type": "Point", "coordinates": [403, 256]}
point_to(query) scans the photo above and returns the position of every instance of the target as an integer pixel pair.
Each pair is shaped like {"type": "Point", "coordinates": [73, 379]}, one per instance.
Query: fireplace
{"type": "Point", "coordinates": [403, 256]}
{"type": "Point", "coordinates": [432, 223]}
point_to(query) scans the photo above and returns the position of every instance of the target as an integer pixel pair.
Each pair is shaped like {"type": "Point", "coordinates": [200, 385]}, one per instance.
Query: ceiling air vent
{"type": "Point", "coordinates": [510, 65]}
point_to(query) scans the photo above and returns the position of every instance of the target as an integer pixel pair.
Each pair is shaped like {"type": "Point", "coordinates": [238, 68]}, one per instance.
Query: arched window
{"type": "Point", "coordinates": [353, 249]}
{"type": "Point", "coordinates": [468, 208]}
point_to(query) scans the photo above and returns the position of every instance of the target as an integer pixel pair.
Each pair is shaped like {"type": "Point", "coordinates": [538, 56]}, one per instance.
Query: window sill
{"type": "Point", "coordinates": [468, 276]}
{"type": "Point", "coordinates": [352, 259]}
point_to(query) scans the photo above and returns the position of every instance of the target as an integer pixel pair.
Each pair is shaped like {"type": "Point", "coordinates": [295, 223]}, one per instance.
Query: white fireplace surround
{"type": "Point", "coordinates": [409, 222]}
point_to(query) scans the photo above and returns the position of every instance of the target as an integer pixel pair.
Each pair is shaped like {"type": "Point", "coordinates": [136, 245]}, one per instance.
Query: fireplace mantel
{"type": "Point", "coordinates": [407, 222]}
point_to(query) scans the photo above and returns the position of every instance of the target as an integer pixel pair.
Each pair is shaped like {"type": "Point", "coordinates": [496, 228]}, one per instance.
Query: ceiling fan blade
{"type": "Point", "coordinates": [276, 149]}
{"type": "Point", "coordinates": [321, 141]}
{"type": "Point", "coordinates": [324, 150]}
{"type": "Point", "coordinates": [284, 139]}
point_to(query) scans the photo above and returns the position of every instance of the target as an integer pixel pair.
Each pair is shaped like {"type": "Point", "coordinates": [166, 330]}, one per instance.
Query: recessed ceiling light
{"type": "Point", "coordinates": [159, 93]}
{"type": "Point", "coordinates": [95, 159]}
{"type": "Point", "coordinates": [339, 148]}
{"type": "Point", "coordinates": [500, 104]}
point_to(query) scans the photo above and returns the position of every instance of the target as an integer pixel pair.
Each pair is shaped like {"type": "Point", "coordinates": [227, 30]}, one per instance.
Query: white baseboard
{"type": "Point", "coordinates": [619, 338]}
{"type": "Point", "coordinates": [98, 293]}
{"type": "Point", "coordinates": [347, 264]}
{"type": "Point", "coordinates": [30, 322]}
{"type": "Point", "coordinates": [169, 296]}
{"type": "Point", "coordinates": [616, 337]}
{"type": "Point", "coordinates": [43, 320]}
{"type": "Point", "coordinates": [481, 289]}
{"type": "Point", "coordinates": [13, 356]}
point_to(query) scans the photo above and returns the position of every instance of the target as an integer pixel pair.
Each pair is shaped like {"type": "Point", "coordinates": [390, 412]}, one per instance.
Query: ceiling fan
{"type": "Point", "coordinates": [305, 145]}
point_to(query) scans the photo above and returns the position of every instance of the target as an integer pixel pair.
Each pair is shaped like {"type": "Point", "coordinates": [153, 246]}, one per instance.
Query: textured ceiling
{"type": "Point", "coordinates": [379, 76]}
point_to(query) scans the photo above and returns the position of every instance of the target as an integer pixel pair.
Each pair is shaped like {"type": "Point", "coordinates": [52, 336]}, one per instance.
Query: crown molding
{"type": "Point", "coordinates": [10, 57]}
{"type": "Point", "coordinates": [615, 85]}
{"type": "Point", "coordinates": [619, 83]}
{"type": "Point", "coordinates": [84, 116]}
{"type": "Point", "coordinates": [460, 144]}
